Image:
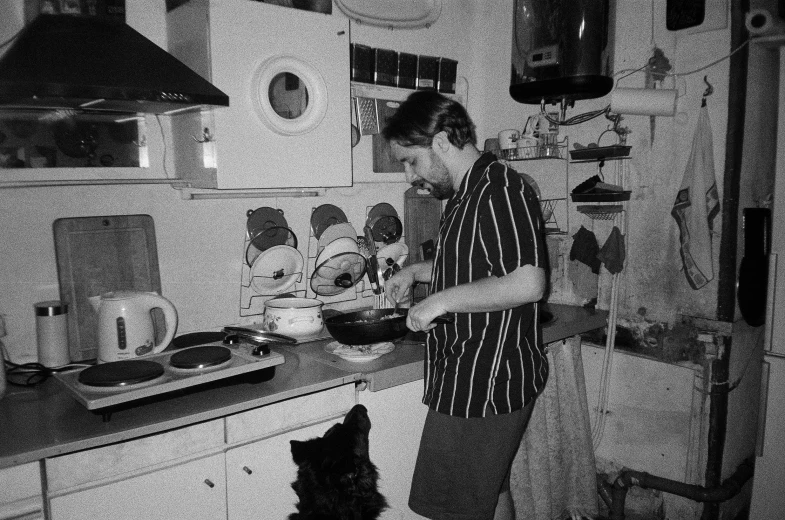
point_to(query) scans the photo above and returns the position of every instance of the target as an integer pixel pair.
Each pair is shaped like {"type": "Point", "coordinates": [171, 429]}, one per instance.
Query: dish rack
{"type": "Point", "coordinates": [251, 300]}
{"type": "Point", "coordinates": [350, 294]}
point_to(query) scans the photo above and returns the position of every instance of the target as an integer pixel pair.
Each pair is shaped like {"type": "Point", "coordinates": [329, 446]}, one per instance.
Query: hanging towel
{"type": "Point", "coordinates": [554, 474]}
{"type": "Point", "coordinates": [697, 203]}
{"type": "Point", "coordinates": [584, 281]}
{"type": "Point", "coordinates": [585, 248]}
{"type": "Point", "coordinates": [612, 252]}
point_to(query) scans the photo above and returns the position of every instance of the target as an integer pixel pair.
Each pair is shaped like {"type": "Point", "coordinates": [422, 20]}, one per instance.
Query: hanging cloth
{"type": "Point", "coordinates": [612, 252]}
{"type": "Point", "coordinates": [697, 203]}
{"type": "Point", "coordinates": [554, 473]}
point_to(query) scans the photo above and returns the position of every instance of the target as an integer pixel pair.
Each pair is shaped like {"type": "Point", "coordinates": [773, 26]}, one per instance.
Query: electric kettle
{"type": "Point", "coordinates": [125, 324]}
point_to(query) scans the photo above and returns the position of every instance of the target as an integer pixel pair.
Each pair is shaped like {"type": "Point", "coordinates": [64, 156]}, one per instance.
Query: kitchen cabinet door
{"type": "Point", "coordinates": [190, 491]}
{"type": "Point", "coordinates": [20, 492]}
{"type": "Point", "coordinates": [768, 500]}
{"type": "Point", "coordinates": [259, 475]}
{"type": "Point", "coordinates": [286, 72]}
{"type": "Point", "coordinates": [397, 418]}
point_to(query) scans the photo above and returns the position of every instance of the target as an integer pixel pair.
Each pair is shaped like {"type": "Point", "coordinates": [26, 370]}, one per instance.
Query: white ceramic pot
{"type": "Point", "coordinates": [296, 317]}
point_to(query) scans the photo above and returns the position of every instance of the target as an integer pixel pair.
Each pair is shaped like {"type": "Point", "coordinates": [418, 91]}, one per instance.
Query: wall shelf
{"type": "Point", "coordinates": [369, 90]}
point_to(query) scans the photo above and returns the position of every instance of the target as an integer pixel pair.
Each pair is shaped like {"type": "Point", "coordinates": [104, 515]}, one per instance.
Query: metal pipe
{"type": "Point", "coordinates": [710, 495]}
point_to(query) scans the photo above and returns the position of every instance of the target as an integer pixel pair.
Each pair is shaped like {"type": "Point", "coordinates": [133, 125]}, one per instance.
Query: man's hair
{"type": "Point", "coordinates": [424, 114]}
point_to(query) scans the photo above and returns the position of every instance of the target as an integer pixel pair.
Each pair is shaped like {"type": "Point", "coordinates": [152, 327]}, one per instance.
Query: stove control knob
{"type": "Point", "coordinates": [231, 339]}
{"type": "Point", "coordinates": [261, 349]}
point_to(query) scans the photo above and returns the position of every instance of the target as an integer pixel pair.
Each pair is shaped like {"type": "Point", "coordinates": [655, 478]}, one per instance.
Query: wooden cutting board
{"type": "Point", "coordinates": [421, 214]}
{"type": "Point", "coordinates": [100, 254]}
{"type": "Point", "coordinates": [383, 161]}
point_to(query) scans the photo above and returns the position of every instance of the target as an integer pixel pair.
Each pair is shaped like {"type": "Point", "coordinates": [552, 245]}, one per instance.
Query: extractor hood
{"type": "Point", "coordinates": [85, 62]}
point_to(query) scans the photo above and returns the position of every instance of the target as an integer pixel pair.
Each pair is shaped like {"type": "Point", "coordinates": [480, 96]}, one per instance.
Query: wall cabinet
{"type": "Point", "coordinates": [286, 72]}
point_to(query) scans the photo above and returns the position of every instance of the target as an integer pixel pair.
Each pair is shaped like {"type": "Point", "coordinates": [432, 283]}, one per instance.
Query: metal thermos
{"type": "Point", "coordinates": [51, 327]}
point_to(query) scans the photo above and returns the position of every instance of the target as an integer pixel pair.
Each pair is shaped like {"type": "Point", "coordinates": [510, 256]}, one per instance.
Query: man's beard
{"type": "Point", "coordinates": [441, 185]}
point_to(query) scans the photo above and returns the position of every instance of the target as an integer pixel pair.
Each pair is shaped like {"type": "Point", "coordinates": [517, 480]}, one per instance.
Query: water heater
{"type": "Point", "coordinates": [561, 50]}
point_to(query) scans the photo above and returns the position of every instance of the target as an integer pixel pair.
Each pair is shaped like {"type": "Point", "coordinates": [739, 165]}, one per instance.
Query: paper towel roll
{"type": "Point", "coordinates": [760, 22]}
{"type": "Point", "coordinates": [644, 101]}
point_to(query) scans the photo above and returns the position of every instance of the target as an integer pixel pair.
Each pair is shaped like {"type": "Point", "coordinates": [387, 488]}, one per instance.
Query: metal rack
{"type": "Point", "coordinates": [554, 208]}
{"type": "Point", "coordinates": [252, 301]}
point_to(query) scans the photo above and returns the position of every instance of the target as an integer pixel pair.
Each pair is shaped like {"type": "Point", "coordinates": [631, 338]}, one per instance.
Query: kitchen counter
{"type": "Point", "coordinates": [45, 421]}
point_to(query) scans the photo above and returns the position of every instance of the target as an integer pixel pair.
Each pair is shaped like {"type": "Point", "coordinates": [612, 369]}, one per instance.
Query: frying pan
{"type": "Point", "coordinates": [371, 326]}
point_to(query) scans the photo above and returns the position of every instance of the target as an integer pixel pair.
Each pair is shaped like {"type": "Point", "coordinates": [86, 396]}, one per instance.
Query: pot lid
{"type": "Point", "coordinates": [338, 273]}
{"type": "Point", "coordinates": [267, 227]}
{"type": "Point", "coordinates": [276, 269]}
{"type": "Point", "coordinates": [393, 254]}
{"type": "Point", "coordinates": [325, 216]}
{"type": "Point", "coordinates": [335, 232]}
{"type": "Point", "coordinates": [397, 14]}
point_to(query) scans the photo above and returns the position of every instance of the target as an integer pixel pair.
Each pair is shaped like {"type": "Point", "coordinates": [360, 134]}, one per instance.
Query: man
{"type": "Point", "coordinates": [484, 371]}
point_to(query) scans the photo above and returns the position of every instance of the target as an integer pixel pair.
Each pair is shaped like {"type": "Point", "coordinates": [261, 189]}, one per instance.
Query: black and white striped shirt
{"type": "Point", "coordinates": [491, 226]}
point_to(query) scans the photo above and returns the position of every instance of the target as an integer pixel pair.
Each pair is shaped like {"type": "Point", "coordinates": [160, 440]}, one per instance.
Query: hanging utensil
{"type": "Point", "coordinates": [373, 264]}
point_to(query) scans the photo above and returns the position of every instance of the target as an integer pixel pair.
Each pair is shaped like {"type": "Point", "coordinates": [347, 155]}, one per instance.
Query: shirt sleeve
{"type": "Point", "coordinates": [511, 225]}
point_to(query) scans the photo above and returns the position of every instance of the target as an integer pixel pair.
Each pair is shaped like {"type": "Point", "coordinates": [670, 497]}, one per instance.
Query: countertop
{"type": "Point", "coordinates": [45, 421]}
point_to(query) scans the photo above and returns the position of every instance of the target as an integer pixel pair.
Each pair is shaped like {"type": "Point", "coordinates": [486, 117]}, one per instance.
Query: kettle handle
{"type": "Point", "coordinates": [154, 301]}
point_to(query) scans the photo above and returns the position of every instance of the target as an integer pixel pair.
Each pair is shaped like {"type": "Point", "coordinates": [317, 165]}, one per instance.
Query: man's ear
{"type": "Point", "coordinates": [441, 143]}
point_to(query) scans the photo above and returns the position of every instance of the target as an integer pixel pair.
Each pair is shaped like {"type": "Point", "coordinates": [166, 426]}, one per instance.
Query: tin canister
{"type": "Point", "coordinates": [51, 327]}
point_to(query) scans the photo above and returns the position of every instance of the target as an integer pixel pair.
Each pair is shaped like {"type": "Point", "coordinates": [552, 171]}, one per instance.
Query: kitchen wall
{"type": "Point", "coordinates": [200, 242]}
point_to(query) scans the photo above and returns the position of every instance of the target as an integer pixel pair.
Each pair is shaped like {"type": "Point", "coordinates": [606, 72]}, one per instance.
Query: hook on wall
{"type": "Point", "coordinates": [708, 92]}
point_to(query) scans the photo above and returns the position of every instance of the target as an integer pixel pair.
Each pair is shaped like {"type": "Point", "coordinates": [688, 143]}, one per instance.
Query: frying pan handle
{"type": "Point", "coordinates": [444, 319]}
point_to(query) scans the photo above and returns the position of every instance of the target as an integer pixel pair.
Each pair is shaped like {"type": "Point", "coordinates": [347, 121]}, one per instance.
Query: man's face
{"type": "Point", "coordinates": [424, 169]}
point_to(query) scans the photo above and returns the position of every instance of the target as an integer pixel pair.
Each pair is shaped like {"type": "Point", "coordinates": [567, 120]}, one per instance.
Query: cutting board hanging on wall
{"type": "Point", "coordinates": [383, 161]}
{"type": "Point", "coordinates": [97, 255]}
{"type": "Point", "coordinates": [422, 213]}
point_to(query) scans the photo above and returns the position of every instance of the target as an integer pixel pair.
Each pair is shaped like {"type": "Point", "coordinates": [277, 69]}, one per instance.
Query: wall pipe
{"type": "Point", "coordinates": [726, 277]}
{"type": "Point", "coordinates": [712, 495]}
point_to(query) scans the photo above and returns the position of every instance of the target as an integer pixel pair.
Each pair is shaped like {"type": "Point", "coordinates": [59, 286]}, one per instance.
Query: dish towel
{"type": "Point", "coordinates": [697, 203]}
{"type": "Point", "coordinates": [585, 248]}
{"type": "Point", "coordinates": [612, 252]}
{"type": "Point", "coordinates": [553, 476]}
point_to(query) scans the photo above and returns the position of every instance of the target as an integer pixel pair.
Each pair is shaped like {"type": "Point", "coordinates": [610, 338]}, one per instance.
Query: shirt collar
{"type": "Point", "coordinates": [474, 175]}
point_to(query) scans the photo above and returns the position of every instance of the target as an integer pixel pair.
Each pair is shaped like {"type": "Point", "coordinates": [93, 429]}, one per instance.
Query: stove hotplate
{"type": "Point", "coordinates": [121, 382]}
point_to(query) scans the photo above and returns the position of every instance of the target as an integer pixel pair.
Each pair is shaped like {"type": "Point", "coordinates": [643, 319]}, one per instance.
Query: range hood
{"type": "Point", "coordinates": [84, 62]}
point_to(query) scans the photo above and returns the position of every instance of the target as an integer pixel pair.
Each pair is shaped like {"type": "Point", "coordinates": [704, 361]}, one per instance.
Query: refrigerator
{"type": "Point", "coordinates": [768, 495]}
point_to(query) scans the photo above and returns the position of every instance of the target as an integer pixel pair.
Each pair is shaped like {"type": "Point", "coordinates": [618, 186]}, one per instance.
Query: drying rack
{"type": "Point", "coordinates": [610, 207]}
{"type": "Point", "coordinates": [251, 300]}
{"type": "Point", "coordinates": [350, 294]}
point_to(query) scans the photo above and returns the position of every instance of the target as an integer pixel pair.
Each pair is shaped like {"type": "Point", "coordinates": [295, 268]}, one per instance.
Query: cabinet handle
{"type": "Point", "coordinates": [247, 470]}
{"type": "Point", "coordinates": [209, 483]}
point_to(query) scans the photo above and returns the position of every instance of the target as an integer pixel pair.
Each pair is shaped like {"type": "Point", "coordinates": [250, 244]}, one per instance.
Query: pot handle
{"type": "Point", "coordinates": [309, 319]}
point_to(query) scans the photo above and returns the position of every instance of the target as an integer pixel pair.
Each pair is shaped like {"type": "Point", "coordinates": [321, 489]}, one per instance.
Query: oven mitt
{"type": "Point", "coordinates": [612, 252]}
{"type": "Point", "coordinates": [585, 249]}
